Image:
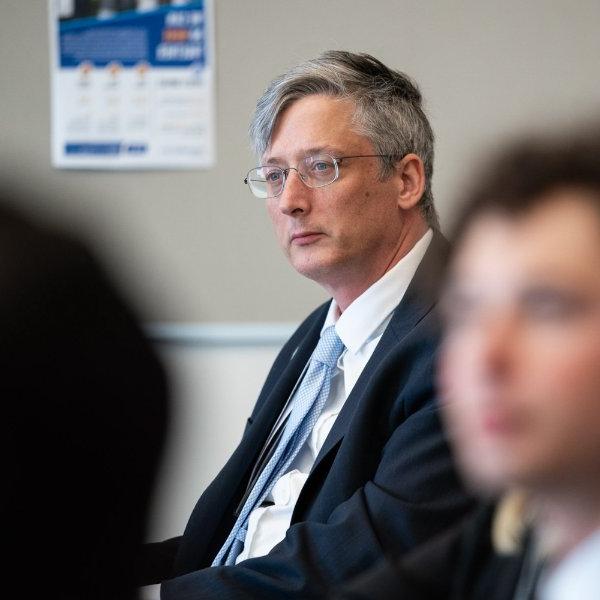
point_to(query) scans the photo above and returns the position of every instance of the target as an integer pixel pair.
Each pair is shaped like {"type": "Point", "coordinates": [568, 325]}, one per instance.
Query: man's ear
{"type": "Point", "coordinates": [410, 174]}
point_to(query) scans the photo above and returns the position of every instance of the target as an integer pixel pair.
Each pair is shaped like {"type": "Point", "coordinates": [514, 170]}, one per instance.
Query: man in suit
{"type": "Point", "coordinates": [519, 378]}
{"type": "Point", "coordinates": [84, 403]}
{"type": "Point", "coordinates": [346, 161]}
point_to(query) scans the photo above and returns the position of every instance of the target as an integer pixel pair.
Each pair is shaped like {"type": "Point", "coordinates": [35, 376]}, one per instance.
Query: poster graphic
{"type": "Point", "coordinates": [132, 84]}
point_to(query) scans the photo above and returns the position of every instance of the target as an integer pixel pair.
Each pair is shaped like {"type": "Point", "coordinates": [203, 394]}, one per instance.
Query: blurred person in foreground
{"type": "Point", "coordinates": [84, 418]}
{"type": "Point", "coordinates": [520, 376]}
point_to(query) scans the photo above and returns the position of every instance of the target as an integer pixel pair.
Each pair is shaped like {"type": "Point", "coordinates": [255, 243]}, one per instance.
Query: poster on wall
{"type": "Point", "coordinates": [132, 84]}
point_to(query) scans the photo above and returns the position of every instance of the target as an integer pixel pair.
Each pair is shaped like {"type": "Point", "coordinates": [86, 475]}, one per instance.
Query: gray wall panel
{"type": "Point", "coordinates": [195, 246]}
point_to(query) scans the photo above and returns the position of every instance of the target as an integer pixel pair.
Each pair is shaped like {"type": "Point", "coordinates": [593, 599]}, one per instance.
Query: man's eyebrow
{"type": "Point", "coordinates": [334, 151]}
{"type": "Point", "coordinates": [273, 160]}
{"type": "Point", "coordinates": [269, 161]}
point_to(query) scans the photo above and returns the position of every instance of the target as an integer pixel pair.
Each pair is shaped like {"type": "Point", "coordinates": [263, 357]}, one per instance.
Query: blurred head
{"type": "Point", "coordinates": [520, 366]}
{"type": "Point", "coordinates": [350, 117]}
{"type": "Point", "coordinates": [85, 409]}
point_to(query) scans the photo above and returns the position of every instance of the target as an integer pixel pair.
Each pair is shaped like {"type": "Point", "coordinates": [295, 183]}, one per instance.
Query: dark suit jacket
{"type": "Point", "coordinates": [382, 483]}
{"type": "Point", "coordinates": [84, 411]}
{"type": "Point", "coordinates": [459, 564]}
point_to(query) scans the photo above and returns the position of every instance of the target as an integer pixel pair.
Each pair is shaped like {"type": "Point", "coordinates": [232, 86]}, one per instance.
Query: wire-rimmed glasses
{"type": "Point", "coordinates": [318, 170]}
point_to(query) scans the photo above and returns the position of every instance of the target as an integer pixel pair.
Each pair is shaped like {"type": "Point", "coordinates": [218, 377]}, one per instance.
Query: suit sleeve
{"type": "Point", "coordinates": [457, 564]}
{"type": "Point", "coordinates": [411, 494]}
{"type": "Point", "coordinates": [411, 576]}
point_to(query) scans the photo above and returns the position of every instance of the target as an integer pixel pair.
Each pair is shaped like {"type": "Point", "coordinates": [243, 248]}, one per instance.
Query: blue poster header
{"type": "Point", "coordinates": [168, 36]}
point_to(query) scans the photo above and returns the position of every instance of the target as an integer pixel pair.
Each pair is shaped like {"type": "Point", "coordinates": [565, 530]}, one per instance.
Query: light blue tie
{"type": "Point", "coordinates": [308, 404]}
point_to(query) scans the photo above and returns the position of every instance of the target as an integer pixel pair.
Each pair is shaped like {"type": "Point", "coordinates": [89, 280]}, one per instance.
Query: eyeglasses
{"type": "Point", "coordinates": [315, 171]}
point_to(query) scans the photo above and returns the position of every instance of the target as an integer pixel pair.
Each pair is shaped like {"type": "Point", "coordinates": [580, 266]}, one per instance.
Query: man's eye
{"type": "Point", "coordinates": [273, 176]}
{"type": "Point", "coordinates": [322, 166]}
{"type": "Point", "coordinates": [550, 305]}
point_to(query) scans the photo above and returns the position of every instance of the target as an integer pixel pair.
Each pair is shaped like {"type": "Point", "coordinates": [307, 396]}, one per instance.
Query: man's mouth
{"type": "Point", "coordinates": [305, 238]}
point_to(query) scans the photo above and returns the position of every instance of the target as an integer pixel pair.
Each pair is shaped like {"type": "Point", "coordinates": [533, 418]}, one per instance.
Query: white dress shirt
{"type": "Point", "coordinates": [577, 576]}
{"type": "Point", "coordinates": [360, 328]}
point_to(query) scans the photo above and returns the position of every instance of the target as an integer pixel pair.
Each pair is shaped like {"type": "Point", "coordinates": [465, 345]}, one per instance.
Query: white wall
{"type": "Point", "coordinates": [216, 374]}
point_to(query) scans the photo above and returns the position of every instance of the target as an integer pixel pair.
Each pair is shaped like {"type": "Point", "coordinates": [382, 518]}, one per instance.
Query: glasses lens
{"type": "Point", "coordinates": [318, 170]}
{"type": "Point", "coordinates": [266, 182]}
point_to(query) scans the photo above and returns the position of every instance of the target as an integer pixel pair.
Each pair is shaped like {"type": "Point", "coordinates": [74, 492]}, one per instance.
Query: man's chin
{"type": "Point", "coordinates": [309, 271]}
{"type": "Point", "coordinates": [312, 267]}
{"type": "Point", "coordinates": [326, 266]}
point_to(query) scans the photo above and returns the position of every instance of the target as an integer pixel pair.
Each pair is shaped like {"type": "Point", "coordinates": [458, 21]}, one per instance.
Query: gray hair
{"type": "Point", "coordinates": [388, 109]}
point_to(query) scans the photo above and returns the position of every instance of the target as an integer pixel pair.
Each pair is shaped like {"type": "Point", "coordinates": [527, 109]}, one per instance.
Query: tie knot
{"type": "Point", "coordinates": [329, 348]}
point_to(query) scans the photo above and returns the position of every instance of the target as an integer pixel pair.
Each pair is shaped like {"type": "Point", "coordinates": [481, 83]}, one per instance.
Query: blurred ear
{"type": "Point", "coordinates": [410, 176]}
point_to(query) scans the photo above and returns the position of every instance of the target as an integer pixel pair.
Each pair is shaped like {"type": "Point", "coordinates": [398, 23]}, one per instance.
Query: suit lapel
{"type": "Point", "coordinates": [277, 396]}
{"type": "Point", "coordinates": [213, 515]}
{"type": "Point", "coordinates": [419, 299]}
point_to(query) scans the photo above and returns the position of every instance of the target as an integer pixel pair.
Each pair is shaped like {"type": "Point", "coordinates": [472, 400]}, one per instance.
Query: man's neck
{"type": "Point", "coordinates": [566, 519]}
{"type": "Point", "coordinates": [345, 289]}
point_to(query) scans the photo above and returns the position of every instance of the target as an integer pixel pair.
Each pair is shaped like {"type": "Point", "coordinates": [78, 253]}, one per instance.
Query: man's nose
{"type": "Point", "coordinates": [295, 197]}
{"type": "Point", "coordinates": [498, 339]}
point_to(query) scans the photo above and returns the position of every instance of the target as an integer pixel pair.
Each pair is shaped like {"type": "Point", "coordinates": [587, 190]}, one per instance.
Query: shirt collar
{"type": "Point", "coordinates": [365, 318]}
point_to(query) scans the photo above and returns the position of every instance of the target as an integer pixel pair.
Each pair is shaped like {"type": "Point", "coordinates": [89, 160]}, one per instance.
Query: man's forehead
{"type": "Point", "coordinates": [313, 124]}
{"type": "Point", "coordinates": [558, 234]}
